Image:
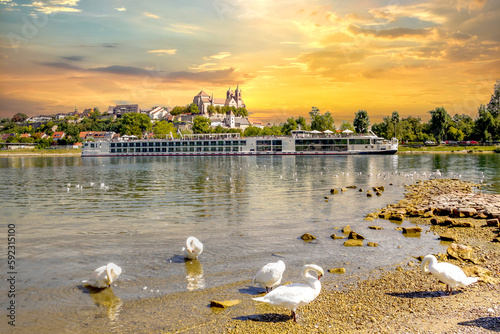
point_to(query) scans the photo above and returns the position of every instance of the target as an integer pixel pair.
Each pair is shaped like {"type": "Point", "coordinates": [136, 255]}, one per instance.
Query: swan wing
{"type": "Point", "coordinates": [269, 275]}
{"type": "Point", "coordinates": [450, 274]}
{"type": "Point", "coordinates": [290, 296]}
{"type": "Point", "coordinates": [98, 278]}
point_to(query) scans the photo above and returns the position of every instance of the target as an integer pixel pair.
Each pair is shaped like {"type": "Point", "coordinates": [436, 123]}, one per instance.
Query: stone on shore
{"type": "Point", "coordinates": [334, 236]}
{"type": "Point", "coordinates": [462, 252]}
{"type": "Point", "coordinates": [373, 227]}
{"type": "Point", "coordinates": [410, 230]}
{"type": "Point", "coordinates": [493, 222]}
{"type": "Point", "coordinates": [346, 229]}
{"type": "Point", "coordinates": [353, 243]}
{"type": "Point", "coordinates": [372, 244]}
{"type": "Point", "coordinates": [224, 303]}
{"type": "Point", "coordinates": [447, 237]}
{"type": "Point", "coordinates": [355, 236]}
{"type": "Point", "coordinates": [334, 191]}
{"type": "Point", "coordinates": [337, 271]}
{"type": "Point", "coordinates": [307, 237]}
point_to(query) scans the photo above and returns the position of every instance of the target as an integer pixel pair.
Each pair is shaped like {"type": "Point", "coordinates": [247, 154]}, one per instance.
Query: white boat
{"type": "Point", "coordinates": [298, 143]}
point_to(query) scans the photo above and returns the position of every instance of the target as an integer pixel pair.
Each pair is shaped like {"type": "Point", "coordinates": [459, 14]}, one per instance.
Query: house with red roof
{"type": "Point", "coordinates": [58, 135]}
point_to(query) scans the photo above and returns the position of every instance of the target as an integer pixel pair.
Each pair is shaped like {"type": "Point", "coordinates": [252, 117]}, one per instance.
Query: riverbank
{"type": "Point", "coordinates": [41, 152]}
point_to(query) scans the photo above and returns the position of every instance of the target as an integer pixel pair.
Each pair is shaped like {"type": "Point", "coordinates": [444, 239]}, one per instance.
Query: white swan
{"type": "Point", "coordinates": [193, 248]}
{"type": "Point", "coordinates": [270, 275]}
{"type": "Point", "coordinates": [447, 273]}
{"type": "Point", "coordinates": [295, 295]}
{"type": "Point", "coordinates": [103, 276]}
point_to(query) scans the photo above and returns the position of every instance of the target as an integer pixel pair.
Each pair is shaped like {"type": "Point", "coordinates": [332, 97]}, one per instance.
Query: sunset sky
{"type": "Point", "coordinates": [287, 56]}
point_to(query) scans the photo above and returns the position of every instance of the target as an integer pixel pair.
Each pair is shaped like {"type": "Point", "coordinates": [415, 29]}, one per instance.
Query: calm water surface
{"type": "Point", "coordinates": [73, 215]}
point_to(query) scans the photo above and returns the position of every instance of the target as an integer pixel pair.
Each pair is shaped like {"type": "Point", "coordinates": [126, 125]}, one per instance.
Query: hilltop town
{"type": "Point", "coordinates": [228, 114]}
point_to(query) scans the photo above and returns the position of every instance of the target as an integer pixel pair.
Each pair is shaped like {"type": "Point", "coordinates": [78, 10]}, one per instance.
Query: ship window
{"type": "Point", "coordinates": [205, 149]}
{"type": "Point", "coordinates": [164, 149]}
{"type": "Point", "coordinates": [206, 143]}
{"type": "Point", "coordinates": [170, 149]}
{"type": "Point", "coordinates": [144, 144]}
{"type": "Point", "coordinates": [118, 144]}
{"type": "Point", "coordinates": [243, 142]}
{"type": "Point", "coordinates": [151, 149]}
{"type": "Point", "coordinates": [235, 149]}
{"type": "Point", "coordinates": [228, 142]}
{"type": "Point", "coordinates": [170, 143]}
{"type": "Point", "coordinates": [144, 150]}
{"type": "Point", "coordinates": [157, 149]}
{"type": "Point", "coordinates": [191, 143]}
{"type": "Point", "coordinates": [184, 143]}
{"type": "Point", "coordinates": [277, 142]}
{"type": "Point", "coordinates": [112, 150]}
{"type": "Point", "coordinates": [213, 143]}
{"type": "Point", "coordinates": [157, 143]}
{"type": "Point", "coordinates": [112, 145]}
{"type": "Point", "coordinates": [177, 143]}
{"type": "Point", "coordinates": [118, 150]}
{"type": "Point", "coordinates": [221, 143]}
{"type": "Point", "coordinates": [151, 144]}
{"type": "Point", "coordinates": [163, 143]}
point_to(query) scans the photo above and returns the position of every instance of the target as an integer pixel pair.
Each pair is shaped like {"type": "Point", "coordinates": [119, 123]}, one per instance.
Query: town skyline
{"type": "Point", "coordinates": [286, 56]}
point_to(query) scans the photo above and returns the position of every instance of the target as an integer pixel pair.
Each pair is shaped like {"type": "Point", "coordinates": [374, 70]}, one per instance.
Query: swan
{"type": "Point", "coordinates": [447, 273]}
{"type": "Point", "coordinates": [193, 248]}
{"type": "Point", "coordinates": [103, 276]}
{"type": "Point", "coordinates": [270, 275]}
{"type": "Point", "coordinates": [295, 295]}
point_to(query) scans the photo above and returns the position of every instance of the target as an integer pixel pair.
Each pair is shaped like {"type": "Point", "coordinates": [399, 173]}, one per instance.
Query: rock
{"type": "Point", "coordinates": [351, 187]}
{"type": "Point", "coordinates": [373, 227]}
{"type": "Point", "coordinates": [353, 243]}
{"type": "Point", "coordinates": [434, 221]}
{"type": "Point", "coordinates": [462, 224]}
{"type": "Point", "coordinates": [464, 212]}
{"type": "Point", "coordinates": [307, 237]}
{"type": "Point", "coordinates": [224, 303]}
{"type": "Point", "coordinates": [334, 236]}
{"type": "Point", "coordinates": [409, 230]}
{"type": "Point", "coordinates": [428, 214]}
{"type": "Point", "coordinates": [462, 252]}
{"type": "Point", "coordinates": [343, 189]}
{"type": "Point", "coordinates": [346, 229]}
{"type": "Point", "coordinates": [447, 237]}
{"type": "Point", "coordinates": [496, 240]}
{"type": "Point", "coordinates": [379, 189]}
{"type": "Point", "coordinates": [369, 193]}
{"type": "Point", "coordinates": [337, 271]}
{"type": "Point", "coordinates": [361, 190]}
{"type": "Point", "coordinates": [399, 269]}
{"type": "Point", "coordinates": [399, 228]}
{"type": "Point", "coordinates": [334, 191]}
{"type": "Point", "coordinates": [326, 197]}
{"type": "Point", "coordinates": [493, 222]}
{"type": "Point", "coordinates": [369, 219]}
{"type": "Point", "coordinates": [355, 236]}
{"type": "Point", "coordinates": [443, 211]}
{"type": "Point", "coordinates": [372, 244]}
{"type": "Point", "coordinates": [378, 193]}
{"type": "Point", "coordinates": [396, 216]}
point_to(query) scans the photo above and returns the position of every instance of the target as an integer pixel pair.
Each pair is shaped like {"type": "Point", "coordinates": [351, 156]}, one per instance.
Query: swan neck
{"type": "Point", "coordinates": [109, 273]}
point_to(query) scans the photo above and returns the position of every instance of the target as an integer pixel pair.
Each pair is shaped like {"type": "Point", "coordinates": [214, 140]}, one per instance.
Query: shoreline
{"type": "Point", "coordinates": [393, 299]}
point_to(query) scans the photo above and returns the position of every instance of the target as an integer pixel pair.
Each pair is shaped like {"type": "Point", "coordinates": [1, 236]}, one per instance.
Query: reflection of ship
{"type": "Point", "coordinates": [107, 299]}
{"type": "Point", "coordinates": [299, 143]}
{"type": "Point", "coordinates": [194, 275]}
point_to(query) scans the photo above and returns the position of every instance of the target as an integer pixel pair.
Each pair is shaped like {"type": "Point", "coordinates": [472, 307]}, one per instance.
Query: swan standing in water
{"type": "Point", "coordinates": [270, 275]}
{"type": "Point", "coordinates": [447, 273]}
{"type": "Point", "coordinates": [295, 295]}
{"type": "Point", "coordinates": [103, 276]}
{"type": "Point", "coordinates": [193, 248]}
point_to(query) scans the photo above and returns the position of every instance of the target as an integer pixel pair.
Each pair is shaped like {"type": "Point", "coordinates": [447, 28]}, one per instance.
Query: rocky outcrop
{"type": "Point", "coordinates": [307, 237]}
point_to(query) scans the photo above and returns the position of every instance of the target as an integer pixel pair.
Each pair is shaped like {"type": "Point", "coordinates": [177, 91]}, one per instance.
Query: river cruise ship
{"type": "Point", "coordinates": [298, 143]}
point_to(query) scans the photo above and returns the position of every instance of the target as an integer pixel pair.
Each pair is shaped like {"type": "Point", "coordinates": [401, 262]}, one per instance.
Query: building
{"type": "Point", "coordinates": [233, 99]}
{"type": "Point", "coordinates": [158, 113]}
{"type": "Point", "coordinates": [39, 118]}
{"type": "Point", "coordinates": [121, 109]}
{"type": "Point", "coordinates": [58, 135]}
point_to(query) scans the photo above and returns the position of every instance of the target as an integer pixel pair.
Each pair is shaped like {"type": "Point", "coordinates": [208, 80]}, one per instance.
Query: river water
{"type": "Point", "coordinates": [72, 215]}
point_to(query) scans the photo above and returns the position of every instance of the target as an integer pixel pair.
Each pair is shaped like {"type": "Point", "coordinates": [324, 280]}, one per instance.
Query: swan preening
{"type": "Point", "coordinates": [103, 276]}
{"type": "Point", "coordinates": [270, 275]}
{"type": "Point", "coordinates": [447, 273]}
{"type": "Point", "coordinates": [193, 248]}
{"type": "Point", "coordinates": [295, 295]}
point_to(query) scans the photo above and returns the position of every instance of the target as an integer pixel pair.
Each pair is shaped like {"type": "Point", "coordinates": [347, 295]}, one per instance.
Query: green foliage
{"type": "Point", "coordinates": [178, 110]}
{"type": "Point", "coordinates": [346, 126]}
{"type": "Point", "coordinates": [321, 122]}
{"type": "Point", "coordinates": [439, 123]}
{"type": "Point", "coordinates": [361, 121]}
{"type": "Point", "coordinates": [134, 124]}
{"type": "Point", "coordinates": [19, 117]}
{"type": "Point", "coordinates": [161, 129]}
{"type": "Point", "coordinates": [289, 126]}
{"type": "Point", "coordinates": [252, 131]}
{"type": "Point", "coordinates": [193, 109]}
{"type": "Point", "coordinates": [211, 110]}
{"type": "Point", "coordinates": [494, 105]}
{"type": "Point", "coordinates": [201, 125]}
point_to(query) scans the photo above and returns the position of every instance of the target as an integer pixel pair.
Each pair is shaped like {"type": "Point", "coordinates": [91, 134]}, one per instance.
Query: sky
{"type": "Point", "coordinates": [286, 56]}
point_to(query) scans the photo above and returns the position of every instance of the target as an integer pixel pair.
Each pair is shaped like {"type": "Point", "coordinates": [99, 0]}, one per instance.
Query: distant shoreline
{"type": "Point", "coordinates": [78, 152]}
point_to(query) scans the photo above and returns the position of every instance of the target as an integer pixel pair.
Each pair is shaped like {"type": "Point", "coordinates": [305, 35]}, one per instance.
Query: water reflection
{"type": "Point", "coordinates": [194, 275]}
{"type": "Point", "coordinates": [107, 299]}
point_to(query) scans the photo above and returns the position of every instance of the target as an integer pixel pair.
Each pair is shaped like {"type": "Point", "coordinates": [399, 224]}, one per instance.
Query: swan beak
{"type": "Point", "coordinates": [319, 277]}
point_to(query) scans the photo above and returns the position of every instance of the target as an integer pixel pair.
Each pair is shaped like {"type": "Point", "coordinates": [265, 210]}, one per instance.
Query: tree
{"type": "Point", "coordinates": [484, 125]}
{"type": "Point", "coordinates": [494, 105]}
{"type": "Point", "coordinates": [162, 128]}
{"type": "Point", "coordinates": [346, 126]}
{"type": "Point", "coordinates": [19, 117]}
{"type": "Point", "coordinates": [134, 124]}
{"type": "Point", "coordinates": [361, 121]}
{"type": "Point", "coordinates": [289, 126]}
{"type": "Point", "coordinates": [193, 109]}
{"type": "Point", "coordinates": [252, 131]}
{"type": "Point", "coordinates": [439, 123]}
{"type": "Point", "coordinates": [411, 129]}
{"type": "Point", "coordinates": [464, 124]}
{"type": "Point", "coordinates": [211, 110]}
{"type": "Point", "coordinates": [178, 110]}
{"type": "Point", "coordinates": [201, 125]}
{"type": "Point", "coordinates": [302, 124]}
{"type": "Point", "coordinates": [395, 121]}
{"type": "Point", "coordinates": [241, 112]}
{"type": "Point", "coordinates": [321, 122]}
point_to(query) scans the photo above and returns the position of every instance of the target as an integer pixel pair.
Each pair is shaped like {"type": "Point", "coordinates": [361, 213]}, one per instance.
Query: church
{"type": "Point", "coordinates": [233, 99]}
